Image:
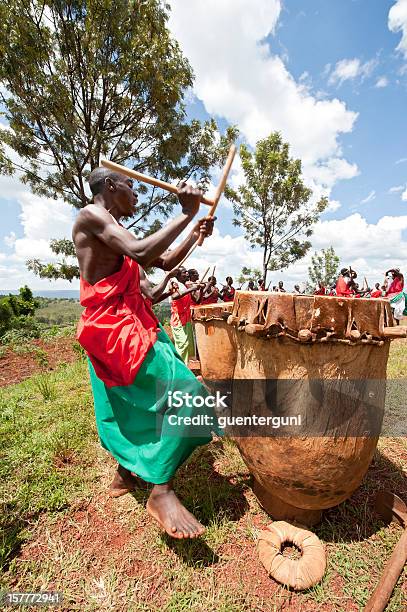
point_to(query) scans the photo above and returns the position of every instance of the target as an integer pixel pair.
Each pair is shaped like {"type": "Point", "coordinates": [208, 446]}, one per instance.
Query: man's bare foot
{"type": "Point", "coordinates": [123, 482]}
{"type": "Point", "coordinates": [164, 506]}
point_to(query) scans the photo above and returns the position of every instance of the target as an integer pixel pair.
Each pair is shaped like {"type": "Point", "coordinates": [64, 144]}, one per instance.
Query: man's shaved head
{"type": "Point", "coordinates": [97, 179]}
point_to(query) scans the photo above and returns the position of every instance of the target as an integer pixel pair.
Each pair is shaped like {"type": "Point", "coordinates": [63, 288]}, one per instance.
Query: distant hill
{"type": "Point", "coordinates": [61, 293]}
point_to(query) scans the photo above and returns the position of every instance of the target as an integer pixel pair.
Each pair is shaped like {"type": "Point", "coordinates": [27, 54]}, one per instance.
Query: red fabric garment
{"type": "Point", "coordinates": [117, 327]}
{"type": "Point", "coordinates": [181, 311]}
{"type": "Point", "coordinates": [396, 287]}
{"type": "Point", "coordinates": [376, 294]}
{"type": "Point", "coordinates": [211, 299]}
{"type": "Point", "coordinates": [320, 291]}
{"type": "Point", "coordinates": [342, 289]}
{"type": "Point", "coordinates": [229, 296]}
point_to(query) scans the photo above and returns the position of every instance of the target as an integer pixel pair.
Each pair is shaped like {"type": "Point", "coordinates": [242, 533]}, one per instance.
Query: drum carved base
{"type": "Point", "coordinates": [281, 511]}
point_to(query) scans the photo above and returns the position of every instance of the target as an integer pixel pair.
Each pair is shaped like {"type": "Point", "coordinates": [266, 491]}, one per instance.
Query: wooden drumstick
{"type": "Point", "coordinates": [221, 187]}
{"type": "Point", "coordinates": [219, 190]}
{"type": "Point", "coordinates": [144, 178]}
{"type": "Point", "coordinates": [203, 276]}
{"type": "Point", "coordinates": [148, 179]}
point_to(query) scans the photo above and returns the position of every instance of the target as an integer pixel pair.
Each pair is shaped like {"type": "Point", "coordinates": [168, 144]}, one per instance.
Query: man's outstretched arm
{"type": "Point", "coordinates": [155, 293]}
{"type": "Point", "coordinates": [170, 259]}
{"type": "Point", "coordinates": [99, 222]}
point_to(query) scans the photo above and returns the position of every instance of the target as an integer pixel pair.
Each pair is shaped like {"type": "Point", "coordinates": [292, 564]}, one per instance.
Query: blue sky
{"type": "Point", "coordinates": [331, 75]}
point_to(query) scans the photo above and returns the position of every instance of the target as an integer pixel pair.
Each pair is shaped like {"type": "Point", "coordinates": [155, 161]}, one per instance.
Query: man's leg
{"type": "Point", "coordinates": [133, 425]}
{"type": "Point", "coordinates": [124, 482]}
{"type": "Point", "coordinates": [165, 507]}
{"type": "Point", "coordinates": [181, 342]}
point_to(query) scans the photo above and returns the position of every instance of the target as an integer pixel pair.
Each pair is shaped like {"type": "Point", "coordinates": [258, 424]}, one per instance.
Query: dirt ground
{"type": "Point", "coordinates": [35, 357]}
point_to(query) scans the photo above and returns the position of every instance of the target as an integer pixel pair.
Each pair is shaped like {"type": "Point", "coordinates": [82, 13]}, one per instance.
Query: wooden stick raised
{"type": "Point", "coordinates": [219, 190]}
{"type": "Point", "coordinates": [221, 187]}
{"type": "Point", "coordinates": [148, 179]}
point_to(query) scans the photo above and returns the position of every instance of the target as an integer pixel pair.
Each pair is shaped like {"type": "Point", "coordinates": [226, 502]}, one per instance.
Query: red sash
{"type": "Point", "coordinates": [117, 327]}
{"type": "Point", "coordinates": [181, 311]}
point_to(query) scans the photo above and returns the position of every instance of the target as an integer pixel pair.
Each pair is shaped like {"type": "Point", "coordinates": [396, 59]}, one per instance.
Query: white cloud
{"type": "Point", "coordinates": [398, 23]}
{"type": "Point", "coordinates": [381, 82]}
{"type": "Point", "coordinates": [10, 239]}
{"type": "Point", "coordinates": [333, 205]}
{"type": "Point", "coordinates": [350, 69]}
{"type": "Point", "coordinates": [331, 171]}
{"type": "Point", "coordinates": [401, 161]}
{"type": "Point", "coordinates": [239, 79]}
{"type": "Point", "coordinates": [41, 220]}
{"type": "Point", "coordinates": [369, 198]}
{"type": "Point", "coordinates": [404, 196]}
{"type": "Point", "coordinates": [396, 189]}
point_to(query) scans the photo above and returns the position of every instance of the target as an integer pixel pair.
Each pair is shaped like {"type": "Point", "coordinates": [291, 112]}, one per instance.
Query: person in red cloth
{"type": "Point", "coordinates": [321, 289]}
{"type": "Point", "coordinates": [181, 316]}
{"type": "Point", "coordinates": [397, 284]}
{"type": "Point", "coordinates": [227, 293]}
{"type": "Point", "coordinates": [343, 284]}
{"type": "Point", "coordinates": [193, 276]}
{"type": "Point", "coordinates": [262, 285]}
{"type": "Point", "coordinates": [133, 366]}
{"type": "Point", "coordinates": [395, 293]}
{"type": "Point", "coordinates": [211, 292]}
{"type": "Point", "coordinates": [377, 293]}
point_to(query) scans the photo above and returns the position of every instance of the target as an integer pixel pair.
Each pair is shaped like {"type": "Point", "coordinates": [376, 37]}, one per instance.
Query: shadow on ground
{"type": "Point", "coordinates": [356, 519]}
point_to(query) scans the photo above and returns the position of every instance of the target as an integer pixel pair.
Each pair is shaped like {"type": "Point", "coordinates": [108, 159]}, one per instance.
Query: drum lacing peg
{"type": "Point", "coordinates": [304, 335]}
{"type": "Point", "coordinates": [355, 334]}
{"type": "Point", "coordinates": [233, 320]}
{"type": "Point", "coordinates": [253, 329]}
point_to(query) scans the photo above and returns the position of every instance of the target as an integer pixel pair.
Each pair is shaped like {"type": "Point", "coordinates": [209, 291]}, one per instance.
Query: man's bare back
{"type": "Point", "coordinates": [96, 259]}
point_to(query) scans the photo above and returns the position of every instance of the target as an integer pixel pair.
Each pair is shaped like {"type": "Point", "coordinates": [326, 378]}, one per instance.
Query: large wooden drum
{"type": "Point", "coordinates": [316, 364]}
{"type": "Point", "coordinates": [215, 340]}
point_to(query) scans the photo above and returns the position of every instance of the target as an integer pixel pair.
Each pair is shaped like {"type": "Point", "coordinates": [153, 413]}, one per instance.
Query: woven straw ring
{"type": "Point", "coordinates": [298, 574]}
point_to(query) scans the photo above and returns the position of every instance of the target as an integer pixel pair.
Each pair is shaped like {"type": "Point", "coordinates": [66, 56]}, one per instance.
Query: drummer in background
{"type": "Point", "coordinates": [297, 290]}
{"type": "Point", "coordinates": [397, 282]}
{"type": "Point", "coordinates": [251, 286]}
{"type": "Point", "coordinates": [281, 287]}
{"type": "Point", "coordinates": [227, 293]}
{"type": "Point", "coordinates": [180, 322]}
{"type": "Point", "coordinates": [193, 276]}
{"type": "Point", "coordinates": [377, 293]}
{"type": "Point", "coordinates": [343, 284]}
{"type": "Point", "coordinates": [211, 292]}
{"type": "Point", "coordinates": [262, 284]}
{"type": "Point", "coordinates": [320, 290]}
{"type": "Point", "coordinates": [395, 293]}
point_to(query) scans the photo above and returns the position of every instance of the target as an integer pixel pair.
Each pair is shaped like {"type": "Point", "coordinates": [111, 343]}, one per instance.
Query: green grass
{"type": "Point", "coordinates": [61, 532]}
{"type": "Point", "coordinates": [39, 438]}
{"type": "Point", "coordinates": [58, 312]}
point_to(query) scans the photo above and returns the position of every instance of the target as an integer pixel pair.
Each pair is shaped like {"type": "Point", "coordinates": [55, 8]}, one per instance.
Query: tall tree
{"type": "Point", "coordinates": [323, 269]}
{"type": "Point", "coordinates": [247, 274]}
{"type": "Point", "coordinates": [86, 79]}
{"type": "Point", "coordinates": [273, 205]}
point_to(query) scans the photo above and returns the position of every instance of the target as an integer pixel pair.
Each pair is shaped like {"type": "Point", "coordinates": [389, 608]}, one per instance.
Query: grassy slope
{"type": "Point", "coordinates": [107, 554]}
{"type": "Point", "coordinates": [61, 312]}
